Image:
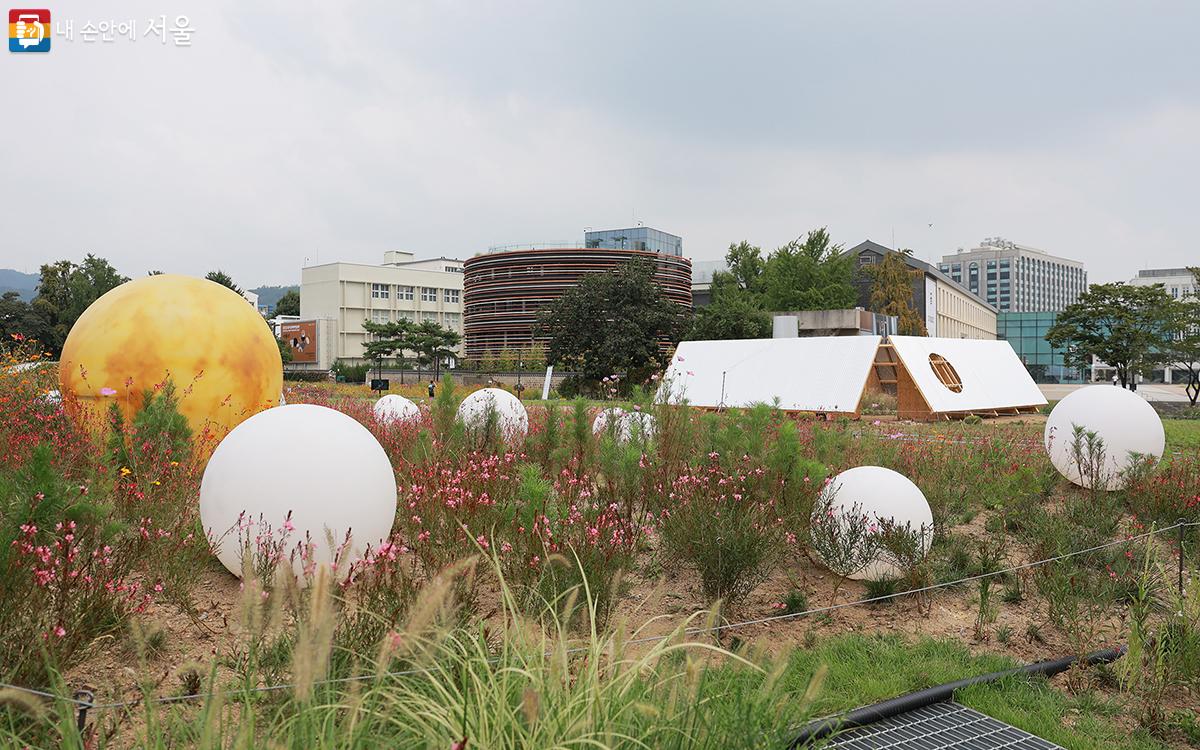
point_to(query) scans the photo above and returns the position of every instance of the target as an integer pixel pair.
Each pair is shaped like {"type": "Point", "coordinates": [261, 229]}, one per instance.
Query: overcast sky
{"type": "Point", "coordinates": [337, 130]}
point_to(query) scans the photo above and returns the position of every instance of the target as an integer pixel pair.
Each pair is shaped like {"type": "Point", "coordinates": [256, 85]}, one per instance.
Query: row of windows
{"type": "Point", "coordinates": [428, 293]}
{"type": "Point", "coordinates": [448, 320]}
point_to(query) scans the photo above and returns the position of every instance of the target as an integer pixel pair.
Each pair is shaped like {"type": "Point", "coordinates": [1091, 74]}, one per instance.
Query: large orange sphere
{"type": "Point", "coordinates": [212, 344]}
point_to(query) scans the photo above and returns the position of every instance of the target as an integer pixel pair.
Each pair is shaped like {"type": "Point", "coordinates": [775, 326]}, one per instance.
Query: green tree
{"type": "Point", "coordinates": [388, 340]}
{"type": "Point", "coordinates": [892, 292]}
{"type": "Point", "coordinates": [733, 313]}
{"type": "Point", "coordinates": [19, 318]}
{"type": "Point", "coordinates": [289, 303]}
{"type": "Point", "coordinates": [612, 323]}
{"type": "Point", "coordinates": [746, 265]}
{"type": "Point", "coordinates": [809, 274]}
{"type": "Point", "coordinates": [67, 289]}
{"type": "Point", "coordinates": [224, 280]}
{"type": "Point", "coordinates": [432, 343]}
{"type": "Point", "coordinates": [1127, 327]}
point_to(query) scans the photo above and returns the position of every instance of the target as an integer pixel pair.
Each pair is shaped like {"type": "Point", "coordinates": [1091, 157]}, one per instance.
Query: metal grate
{"type": "Point", "coordinates": [942, 726]}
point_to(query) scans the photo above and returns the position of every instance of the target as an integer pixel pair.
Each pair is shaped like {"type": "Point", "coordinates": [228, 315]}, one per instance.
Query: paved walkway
{"type": "Point", "coordinates": [1149, 391]}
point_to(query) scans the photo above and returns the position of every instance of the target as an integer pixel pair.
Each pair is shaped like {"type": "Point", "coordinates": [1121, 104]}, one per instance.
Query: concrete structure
{"type": "Point", "coordinates": [402, 288]}
{"type": "Point", "coordinates": [1016, 278]}
{"type": "Point", "coordinates": [854, 322]}
{"type": "Point", "coordinates": [1026, 332]}
{"type": "Point", "coordinates": [948, 309]}
{"type": "Point", "coordinates": [1178, 282]}
{"type": "Point", "coordinates": [505, 291]}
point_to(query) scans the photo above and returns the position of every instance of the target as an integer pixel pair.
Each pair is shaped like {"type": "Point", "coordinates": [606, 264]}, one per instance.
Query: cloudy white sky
{"type": "Point", "coordinates": [338, 130]}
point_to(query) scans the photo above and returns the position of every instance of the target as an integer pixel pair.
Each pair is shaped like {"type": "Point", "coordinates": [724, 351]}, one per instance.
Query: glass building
{"type": "Point", "coordinates": [636, 238]}
{"type": "Point", "coordinates": [1026, 332]}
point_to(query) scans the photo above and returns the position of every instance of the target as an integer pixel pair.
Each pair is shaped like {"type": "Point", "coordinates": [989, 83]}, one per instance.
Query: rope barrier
{"type": "Point", "coordinates": [89, 704]}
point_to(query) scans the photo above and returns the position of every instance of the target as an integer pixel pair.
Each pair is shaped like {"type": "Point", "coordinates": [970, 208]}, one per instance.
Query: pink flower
{"type": "Point", "coordinates": [106, 391]}
{"type": "Point", "coordinates": [60, 631]}
{"type": "Point", "coordinates": [679, 359]}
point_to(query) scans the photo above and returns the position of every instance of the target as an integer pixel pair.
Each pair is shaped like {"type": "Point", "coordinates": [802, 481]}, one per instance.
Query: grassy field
{"type": "Point", "coordinates": [443, 635]}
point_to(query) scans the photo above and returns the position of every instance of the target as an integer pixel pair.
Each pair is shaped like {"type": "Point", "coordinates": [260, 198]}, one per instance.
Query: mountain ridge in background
{"type": "Point", "coordinates": [24, 284]}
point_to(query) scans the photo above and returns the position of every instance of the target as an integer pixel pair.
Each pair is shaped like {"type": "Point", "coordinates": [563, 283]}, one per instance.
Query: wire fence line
{"type": "Point", "coordinates": [84, 705]}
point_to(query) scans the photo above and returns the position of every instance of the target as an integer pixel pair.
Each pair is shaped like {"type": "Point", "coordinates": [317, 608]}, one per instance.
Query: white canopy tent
{"type": "Point", "coordinates": [825, 374]}
{"type": "Point", "coordinates": [954, 377]}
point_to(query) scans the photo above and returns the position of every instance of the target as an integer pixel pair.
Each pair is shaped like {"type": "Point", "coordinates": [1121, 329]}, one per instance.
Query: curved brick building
{"type": "Point", "coordinates": [503, 292]}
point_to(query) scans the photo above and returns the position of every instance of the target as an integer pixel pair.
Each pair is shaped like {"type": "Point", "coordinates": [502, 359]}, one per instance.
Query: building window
{"type": "Point", "coordinates": [450, 295]}
{"type": "Point", "coordinates": [452, 320]}
{"type": "Point", "coordinates": [428, 294]}
{"type": "Point", "coordinates": [404, 292]}
{"type": "Point", "coordinates": [379, 291]}
{"type": "Point", "coordinates": [452, 269]}
{"type": "Point", "coordinates": [380, 316]}
{"type": "Point", "coordinates": [429, 317]}
{"type": "Point", "coordinates": [408, 315]}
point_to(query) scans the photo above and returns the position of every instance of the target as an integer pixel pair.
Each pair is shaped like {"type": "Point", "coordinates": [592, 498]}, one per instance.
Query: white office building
{"type": "Point", "coordinates": [338, 297]}
{"type": "Point", "coordinates": [1178, 282]}
{"type": "Point", "coordinates": [1016, 278]}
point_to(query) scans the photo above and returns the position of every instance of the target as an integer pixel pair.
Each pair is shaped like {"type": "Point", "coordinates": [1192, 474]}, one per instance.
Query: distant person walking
{"type": "Point", "coordinates": [432, 389]}
{"type": "Point", "coordinates": [1114, 379]}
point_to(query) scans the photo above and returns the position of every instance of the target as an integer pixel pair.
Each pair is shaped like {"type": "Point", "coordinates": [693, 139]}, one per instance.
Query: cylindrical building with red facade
{"type": "Point", "coordinates": [504, 292]}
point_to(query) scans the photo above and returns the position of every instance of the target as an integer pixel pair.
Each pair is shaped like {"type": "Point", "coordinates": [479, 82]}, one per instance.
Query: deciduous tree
{"type": "Point", "coordinates": [65, 291]}
{"type": "Point", "coordinates": [612, 323]}
{"type": "Point", "coordinates": [1127, 327]}
{"type": "Point", "coordinates": [289, 303]}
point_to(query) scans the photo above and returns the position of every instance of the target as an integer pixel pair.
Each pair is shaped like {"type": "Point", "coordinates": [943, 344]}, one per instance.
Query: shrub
{"type": "Point", "coordinates": [725, 526]}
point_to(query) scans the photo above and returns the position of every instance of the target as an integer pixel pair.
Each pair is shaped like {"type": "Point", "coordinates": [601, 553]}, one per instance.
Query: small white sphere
{"type": "Point", "coordinates": [879, 494]}
{"type": "Point", "coordinates": [511, 416]}
{"type": "Point", "coordinates": [316, 463]}
{"type": "Point", "coordinates": [610, 415]}
{"type": "Point", "coordinates": [393, 409]}
{"type": "Point", "coordinates": [1121, 419]}
{"type": "Point", "coordinates": [636, 422]}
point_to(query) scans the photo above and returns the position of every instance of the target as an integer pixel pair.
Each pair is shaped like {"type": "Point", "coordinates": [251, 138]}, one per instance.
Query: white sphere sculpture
{"type": "Point", "coordinates": [879, 494]}
{"type": "Point", "coordinates": [612, 415]}
{"type": "Point", "coordinates": [392, 409]}
{"type": "Point", "coordinates": [321, 466]}
{"type": "Point", "coordinates": [511, 417]}
{"type": "Point", "coordinates": [638, 421]}
{"type": "Point", "coordinates": [1121, 419]}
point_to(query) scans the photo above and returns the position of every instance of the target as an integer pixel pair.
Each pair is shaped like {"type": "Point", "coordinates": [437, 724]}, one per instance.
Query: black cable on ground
{"type": "Point", "coordinates": [870, 714]}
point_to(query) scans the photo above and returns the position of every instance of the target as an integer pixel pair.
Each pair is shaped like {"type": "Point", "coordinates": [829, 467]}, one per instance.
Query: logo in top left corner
{"type": "Point", "coordinates": [29, 30]}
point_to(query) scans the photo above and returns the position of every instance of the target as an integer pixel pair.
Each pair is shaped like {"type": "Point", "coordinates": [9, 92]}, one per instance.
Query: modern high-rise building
{"type": "Point", "coordinates": [645, 239]}
{"type": "Point", "coordinates": [1016, 278]}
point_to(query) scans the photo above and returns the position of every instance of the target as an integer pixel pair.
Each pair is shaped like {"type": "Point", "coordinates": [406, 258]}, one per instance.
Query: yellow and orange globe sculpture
{"type": "Point", "coordinates": [213, 346]}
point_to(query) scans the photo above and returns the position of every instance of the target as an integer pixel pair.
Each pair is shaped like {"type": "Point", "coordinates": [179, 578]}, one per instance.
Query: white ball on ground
{"type": "Point", "coordinates": [636, 423]}
{"type": "Point", "coordinates": [511, 416]}
{"type": "Point", "coordinates": [394, 409]}
{"type": "Point", "coordinates": [318, 465]}
{"type": "Point", "coordinates": [878, 495]}
{"type": "Point", "coordinates": [1121, 419]}
{"type": "Point", "coordinates": [611, 415]}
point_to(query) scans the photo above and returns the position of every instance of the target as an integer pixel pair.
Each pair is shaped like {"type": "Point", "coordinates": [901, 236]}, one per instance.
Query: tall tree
{"type": "Point", "coordinates": [224, 280]}
{"type": "Point", "coordinates": [1127, 327]}
{"type": "Point", "coordinates": [733, 313]}
{"type": "Point", "coordinates": [613, 323]}
{"type": "Point", "coordinates": [289, 303]}
{"type": "Point", "coordinates": [1182, 348]}
{"type": "Point", "coordinates": [65, 291]}
{"type": "Point", "coordinates": [19, 318]}
{"type": "Point", "coordinates": [432, 343]}
{"type": "Point", "coordinates": [892, 292]}
{"type": "Point", "coordinates": [809, 274]}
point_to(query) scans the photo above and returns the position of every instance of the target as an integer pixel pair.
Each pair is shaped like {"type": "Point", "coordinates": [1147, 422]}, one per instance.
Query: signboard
{"type": "Point", "coordinates": [301, 338]}
{"type": "Point", "coordinates": [380, 384]}
{"type": "Point", "coordinates": [546, 382]}
{"type": "Point", "coordinates": [930, 306]}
